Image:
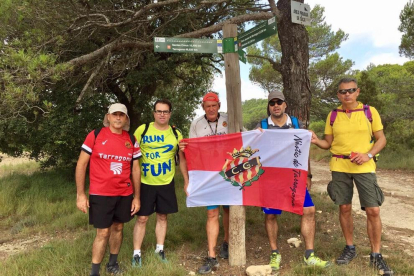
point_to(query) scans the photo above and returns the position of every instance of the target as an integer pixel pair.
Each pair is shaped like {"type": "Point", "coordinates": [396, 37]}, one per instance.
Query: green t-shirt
{"type": "Point", "coordinates": [158, 148]}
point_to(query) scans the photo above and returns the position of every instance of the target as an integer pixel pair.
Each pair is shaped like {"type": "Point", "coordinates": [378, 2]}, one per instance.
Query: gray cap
{"type": "Point", "coordinates": [276, 94]}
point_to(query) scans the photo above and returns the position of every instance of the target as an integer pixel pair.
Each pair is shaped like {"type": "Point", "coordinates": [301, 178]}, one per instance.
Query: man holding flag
{"type": "Point", "coordinates": [212, 123]}
{"type": "Point", "coordinates": [278, 119]}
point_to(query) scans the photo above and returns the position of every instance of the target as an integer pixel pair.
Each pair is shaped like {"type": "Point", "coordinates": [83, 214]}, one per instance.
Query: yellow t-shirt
{"type": "Point", "coordinates": [158, 148]}
{"type": "Point", "coordinates": [352, 135]}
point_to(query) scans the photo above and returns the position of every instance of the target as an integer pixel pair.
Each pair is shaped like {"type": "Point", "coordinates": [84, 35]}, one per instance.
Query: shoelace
{"type": "Point", "coordinates": [273, 258]}
{"type": "Point", "coordinates": [346, 253]}
{"type": "Point", "coordinates": [381, 264]}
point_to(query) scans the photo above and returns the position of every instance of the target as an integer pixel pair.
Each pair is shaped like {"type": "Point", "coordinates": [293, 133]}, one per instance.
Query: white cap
{"type": "Point", "coordinates": [117, 107]}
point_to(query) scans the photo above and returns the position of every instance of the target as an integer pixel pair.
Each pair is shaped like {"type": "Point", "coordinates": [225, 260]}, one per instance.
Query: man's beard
{"type": "Point", "coordinates": [278, 116]}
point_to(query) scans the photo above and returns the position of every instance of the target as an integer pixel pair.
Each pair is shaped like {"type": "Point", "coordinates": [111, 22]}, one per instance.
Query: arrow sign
{"type": "Point", "coordinates": [187, 45]}
{"type": "Point", "coordinates": [258, 33]}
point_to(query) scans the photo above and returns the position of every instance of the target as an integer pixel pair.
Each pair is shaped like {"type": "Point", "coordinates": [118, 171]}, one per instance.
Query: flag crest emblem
{"type": "Point", "coordinates": [242, 170]}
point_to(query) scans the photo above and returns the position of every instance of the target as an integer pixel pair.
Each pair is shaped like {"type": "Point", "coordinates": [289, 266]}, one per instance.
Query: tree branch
{"type": "Point", "coordinates": [277, 66]}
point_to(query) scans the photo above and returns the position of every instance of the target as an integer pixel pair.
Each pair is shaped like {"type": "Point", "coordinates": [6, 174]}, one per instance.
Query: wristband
{"type": "Point", "coordinates": [310, 175]}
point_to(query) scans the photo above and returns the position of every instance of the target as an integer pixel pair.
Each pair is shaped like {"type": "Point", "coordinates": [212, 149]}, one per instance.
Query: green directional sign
{"type": "Point", "coordinates": [187, 45]}
{"type": "Point", "coordinates": [257, 33]}
{"type": "Point", "coordinates": [242, 56]}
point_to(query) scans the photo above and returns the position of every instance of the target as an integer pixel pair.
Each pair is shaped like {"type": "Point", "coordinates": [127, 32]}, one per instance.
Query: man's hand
{"type": "Point", "coordinates": [360, 158]}
{"type": "Point", "coordinates": [185, 188]}
{"type": "Point", "coordinates": [82, 203]}
{"type": "Point", "coordinates": [259, 128]}
{"type": "Point", "coordinates": [308, 183]}
{"type": "Point", "coordinates": [135, 206]}
{"type": "Point", "coordinates": [314, 138]}
{"type": "Point", "coordinates": [182, 145]}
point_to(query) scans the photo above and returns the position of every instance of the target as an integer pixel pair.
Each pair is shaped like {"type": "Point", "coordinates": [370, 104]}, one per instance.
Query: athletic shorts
{"type": "Point", "coordinates": [105, 210]}
{"type": "Point", "coordinates": [341, 189]}
{"type": "Point", "coordinates": [158, 198]}
{"type": "Point", "coordinates": [212, 207]}
{"type": "Point", "coordinates": [307, 203]}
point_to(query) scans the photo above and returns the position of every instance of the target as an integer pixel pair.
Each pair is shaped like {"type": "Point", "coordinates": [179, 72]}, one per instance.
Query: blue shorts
{"type": "Point", "coordinates": [212, 207]}
{"type": "Point", "coordinates": [307, 203]}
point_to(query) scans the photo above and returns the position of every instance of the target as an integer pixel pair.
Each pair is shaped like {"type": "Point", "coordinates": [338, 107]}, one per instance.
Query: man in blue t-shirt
{"type": "Point", "coordinates": [278, 119]}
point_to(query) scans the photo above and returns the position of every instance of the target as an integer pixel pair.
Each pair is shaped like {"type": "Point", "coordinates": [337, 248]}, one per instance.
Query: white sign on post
{"type": "Point", "coordinates": [300, 13]}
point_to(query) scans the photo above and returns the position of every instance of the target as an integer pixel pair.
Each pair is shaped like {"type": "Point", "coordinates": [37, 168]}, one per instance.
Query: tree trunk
{"type": "Point", "coordinates": [237, 240]}
{"type": "Point", "coordinates": [294, 41]}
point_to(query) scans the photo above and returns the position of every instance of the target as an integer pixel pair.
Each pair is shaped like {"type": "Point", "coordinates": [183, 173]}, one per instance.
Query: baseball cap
{"type": "Point", "coordinates": [117, 107]}
{"type": "Point", "coordinates": [211, 96]}
{"type": "Point", "coordinates": [276, 94]}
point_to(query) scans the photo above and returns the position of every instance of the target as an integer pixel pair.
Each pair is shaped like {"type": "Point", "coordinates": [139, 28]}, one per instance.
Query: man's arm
{"type": "Point", "coordinates": [136, 182]}
{"type": "Point", "coordinates": [380, 142]}
{"type": "Point", "coordinates": [82, 201]}
{"type": "Point", "coordinates": [184, 170]}
{"type": "Point", "coordinates": [322, 143]}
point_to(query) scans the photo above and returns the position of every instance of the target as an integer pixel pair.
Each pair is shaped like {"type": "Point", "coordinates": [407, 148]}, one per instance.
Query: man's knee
{"type": "Point", "coordinates": [270, 218]}
{"type": "Point", "coordinates": [345, 209]}
{"type": "Point", "coordinates": [142, 219]}
{"type": "Point", "coordinates": [213, 214]}
{"type": "Point", "coordinates": [103, 233]}
{"type": "Point", "coordinates": [309, 212]}
{"type": "Point", "coordinates": [372, 212]}
{"type": "Point", "coordinates": [161, 217]}
{"type": "Point", "coordinates": [117, 226]}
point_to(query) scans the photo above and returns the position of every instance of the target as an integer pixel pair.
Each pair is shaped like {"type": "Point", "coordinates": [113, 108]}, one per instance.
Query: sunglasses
{"type": "Point", "coordinates": [278, 102]}
{"type": "Point", "coordinates": [350, 91]}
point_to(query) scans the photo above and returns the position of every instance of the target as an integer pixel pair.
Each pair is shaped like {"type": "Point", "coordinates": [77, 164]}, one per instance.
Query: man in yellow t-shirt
{"type": "Point", "coordinates": [159, 145]}
{"type": "Point", "coordinates": [350, 137]}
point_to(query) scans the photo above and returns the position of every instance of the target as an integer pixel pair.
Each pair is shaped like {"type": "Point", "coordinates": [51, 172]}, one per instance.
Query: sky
{"type": "Point", "coordinates": [373, 38]}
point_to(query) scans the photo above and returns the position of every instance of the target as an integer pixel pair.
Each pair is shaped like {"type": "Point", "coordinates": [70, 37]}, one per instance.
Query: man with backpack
{"type": "Point", "coordinates": [159, 146]}
{"type": "Point", "coordinates": [349, 134]}
{"type": "Point", "coordinates": [111, 152]}
{"type": "Point", "coordinates": [278, 119]}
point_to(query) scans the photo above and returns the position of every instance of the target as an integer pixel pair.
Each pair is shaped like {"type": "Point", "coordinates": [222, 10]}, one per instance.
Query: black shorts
{"type": "Point", "coordinates": [105, 210]}
{"type": "Point", "coordinates": [158, 198]}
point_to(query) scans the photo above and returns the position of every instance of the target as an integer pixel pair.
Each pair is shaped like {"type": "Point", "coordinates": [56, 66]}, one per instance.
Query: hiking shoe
{"type": "Point", "coordinates": [379, 263]}
{"type": "Point", "coordinates": [161, 255]}
{"type": "Point", "coordinates": [209, 265]}
{"type": "Point", "coordinates": [312, 260]}
{"type": "Point", "coordinates": [136, 261]}
{"type": "Point", "coordinates": [275, 259]}
{"type": "Point", "coordinates": [347, 255]}
{"type": "Point", "coordinates": [113, 269]}
{"type": "Point", "coordinates": [224, 250]}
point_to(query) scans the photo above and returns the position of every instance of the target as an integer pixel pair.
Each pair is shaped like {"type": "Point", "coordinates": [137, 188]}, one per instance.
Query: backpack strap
{"type": "Point", "coordinates": [295, 122]}
{"type": "Point", "coordinates": [334, 113]}
{"type": "Point", "coordinates": [144, 132]}
{"type": "Point", "coordinates": [264, 124]}
{"type": "Point", "coordinates": [174, 129]}
{"type": "Point", "coordinates": [96, 132]}
{"type": "Point", "coordinates": [368, 113]}
{"type": "Point", "coordinates": [177, 157]}
{"type": "Point", "coordinates": [366, 110]}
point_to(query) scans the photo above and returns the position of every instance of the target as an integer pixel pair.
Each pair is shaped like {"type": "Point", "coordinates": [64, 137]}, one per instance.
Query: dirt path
{"type": "Point", "coordinates": [397, 212]}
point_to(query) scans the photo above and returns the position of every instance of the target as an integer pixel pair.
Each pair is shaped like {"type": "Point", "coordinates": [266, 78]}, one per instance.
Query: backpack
{"type": "Point", "coordinates": [131, 136]}
{"type": "Point", "coordinates": [174, 129]}
{"type": "Point", "coordinates": [366, 110]}
{"type": "Point", "coordinates": [264, 124]}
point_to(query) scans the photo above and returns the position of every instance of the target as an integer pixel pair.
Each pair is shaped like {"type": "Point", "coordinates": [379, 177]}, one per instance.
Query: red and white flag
{"type": "Point", "coordinates": [265, 169]}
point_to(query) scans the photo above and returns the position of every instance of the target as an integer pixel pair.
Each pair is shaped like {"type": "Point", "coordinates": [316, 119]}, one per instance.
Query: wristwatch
{"type": "Point", "coordinates": [369, 155]}
{"type": "Point", "coordinates": [310, 176]}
